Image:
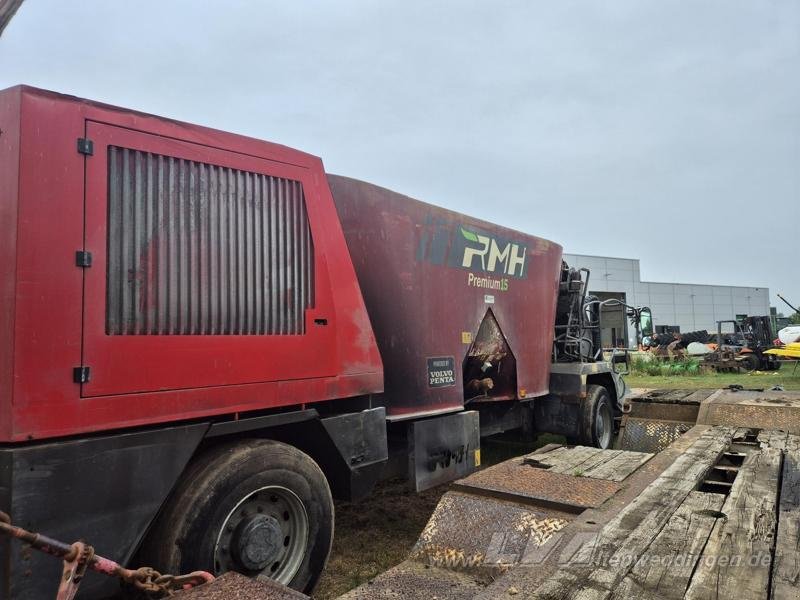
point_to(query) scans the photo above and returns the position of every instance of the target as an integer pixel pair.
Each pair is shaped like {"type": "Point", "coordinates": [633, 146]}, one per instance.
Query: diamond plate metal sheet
{"type": "Point", "coordinates": [520, 482]}
{"type": "Point", "coordinates": [412, 580]}
{"type": "Point", "coordinates": [648, 435]}
{"type": "Point", "coordinates": [233, 586]}
{"type": "Point", "coordinates": [468, 531]}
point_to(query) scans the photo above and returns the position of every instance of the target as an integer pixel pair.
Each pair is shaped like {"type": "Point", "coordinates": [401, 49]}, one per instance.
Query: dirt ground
{"type": "Point", "coordinates": [374, 534]}
{"type": "Point", "coordinates": [378, 532]}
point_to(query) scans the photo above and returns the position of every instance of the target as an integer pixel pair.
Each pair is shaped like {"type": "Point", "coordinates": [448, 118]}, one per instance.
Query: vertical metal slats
{"type": "Point", "coordinates": [199, 249]}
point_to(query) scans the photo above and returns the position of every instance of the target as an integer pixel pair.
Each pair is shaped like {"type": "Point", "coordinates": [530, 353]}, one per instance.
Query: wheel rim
{"type": "Point", "coordinates": [264, 536]}
{"type": "Point", "coordinates": [602, 426]}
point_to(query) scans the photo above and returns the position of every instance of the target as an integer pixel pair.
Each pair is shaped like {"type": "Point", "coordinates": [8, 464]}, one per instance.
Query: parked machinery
{"type": "Point", "coordinates": [743, 346]}
{"type": "Point", "coordinates": [737, 344]}
{"type": "Point", "coordinates": [204, 338]}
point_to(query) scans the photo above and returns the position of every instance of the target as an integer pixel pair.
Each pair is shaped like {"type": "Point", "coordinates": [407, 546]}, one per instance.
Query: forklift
{"type": "Point", "coordinates": [743, 346]}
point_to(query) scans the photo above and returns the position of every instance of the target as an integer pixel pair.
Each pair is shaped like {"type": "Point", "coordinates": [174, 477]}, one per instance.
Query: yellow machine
{"type": "Point", "coordinates": [787, 351]}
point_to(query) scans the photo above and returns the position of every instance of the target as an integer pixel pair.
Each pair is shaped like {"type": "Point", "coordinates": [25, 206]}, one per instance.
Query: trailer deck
{"type": "Point", "coordinates": [714, 514]}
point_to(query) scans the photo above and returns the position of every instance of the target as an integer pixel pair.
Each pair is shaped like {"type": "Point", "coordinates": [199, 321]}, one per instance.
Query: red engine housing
{"type": "Point", "coordinates": [220, 280]}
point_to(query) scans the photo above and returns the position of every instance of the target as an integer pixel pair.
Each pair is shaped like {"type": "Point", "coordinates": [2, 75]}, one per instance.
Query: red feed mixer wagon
{"type": "Point", "coordinates": [204, 337]}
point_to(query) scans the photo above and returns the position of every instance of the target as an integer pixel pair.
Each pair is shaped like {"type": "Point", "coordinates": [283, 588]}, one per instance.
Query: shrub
{"type": "Point", "coordinates": [656, 367]}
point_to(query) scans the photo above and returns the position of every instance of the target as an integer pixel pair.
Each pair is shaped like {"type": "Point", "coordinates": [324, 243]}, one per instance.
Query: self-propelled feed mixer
{"type": "Point", "coordinates": [204, 337]}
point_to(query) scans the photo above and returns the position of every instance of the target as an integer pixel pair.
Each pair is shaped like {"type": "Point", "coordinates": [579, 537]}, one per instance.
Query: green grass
{"type": "Point", "coordinates": [667, 368]}
{"type": "Point", "coordinates": [757, 379]}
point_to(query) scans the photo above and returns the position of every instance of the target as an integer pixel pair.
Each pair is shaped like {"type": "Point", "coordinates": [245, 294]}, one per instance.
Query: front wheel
{"type": "Point", "coordinates": [750, 362]}
{"type": "Point", "coordinates": [259, 507]}
{"type": "Point", "coordinates": [598, 418]}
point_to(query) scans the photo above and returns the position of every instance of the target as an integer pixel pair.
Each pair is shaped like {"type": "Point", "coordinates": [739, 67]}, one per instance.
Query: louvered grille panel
{"type": "Point", "coordinates": [199, 249]}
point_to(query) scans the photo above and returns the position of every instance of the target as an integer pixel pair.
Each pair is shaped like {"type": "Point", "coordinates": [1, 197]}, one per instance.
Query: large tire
{"type": "Point", "coordinates": [750, 362]}
{"type": "Point", "coordinates": [259, 507]}
{"type": "Point", "coordinates": [597, 422]}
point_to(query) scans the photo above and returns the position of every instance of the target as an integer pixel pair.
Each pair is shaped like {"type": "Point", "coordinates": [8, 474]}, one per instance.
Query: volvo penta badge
{"type": "Point", "coordinates": [441, 371]}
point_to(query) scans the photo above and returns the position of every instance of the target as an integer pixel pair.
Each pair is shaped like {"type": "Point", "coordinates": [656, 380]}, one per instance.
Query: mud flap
{"type": "Point", "coordinates": [443, 449]}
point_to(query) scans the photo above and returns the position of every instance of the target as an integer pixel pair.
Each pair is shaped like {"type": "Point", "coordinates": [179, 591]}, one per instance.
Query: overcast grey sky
{"type": "Point", "coordinates": [662, 130]}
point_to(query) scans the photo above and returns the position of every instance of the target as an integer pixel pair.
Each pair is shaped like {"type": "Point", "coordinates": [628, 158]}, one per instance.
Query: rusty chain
{"type": "Point", "coordinates": [156, 585]}
{"type": "Point", "coordinates": [79, 557]}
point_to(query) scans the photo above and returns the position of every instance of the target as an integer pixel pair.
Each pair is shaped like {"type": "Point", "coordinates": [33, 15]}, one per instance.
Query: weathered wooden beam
{"type": "Point", "coordinates": [568, 461]}
{"type": "Point", "coordinates": [737, 558]}
{"type": "Point", "coordinates": [613, 465]}
{"type": "Point", "coordinates": [773, 438]}
{"type": "Point", "coordinates": [786, 570]}
{"type": "Point", "coordinates": [666, 567]}
{"type": "Point", "coordinates": [597, 568]}
{"type": "Point", "coordinates": [591, 463]}
{"type": "Point", "coordinates": [619, 467]}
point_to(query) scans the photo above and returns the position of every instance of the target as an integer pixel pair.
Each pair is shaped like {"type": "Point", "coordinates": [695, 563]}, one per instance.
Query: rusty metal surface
{"type": "Point", "coordinates": [664, 412]}
{"type": "Point", "coordinates": [199, 249]}
{"type": "Point", "coordinates": [522, 482]}
{"type": "Point", "coordinates": [668, 405]}
{"type": "Point", "coordinates": [233, 586]}
{"type": "Point", "coordinates": [465, 530]}
{"type": "Point", "coordinates": [756, 409]}
{"type": "Point", "coordinates": [671, 396]}
{"type": "Point", "coordinates": [650, 435]}
{"type": "Point", "coordinates": [659, 417]}
{"type": "Point", "coordinates": [412, 580]}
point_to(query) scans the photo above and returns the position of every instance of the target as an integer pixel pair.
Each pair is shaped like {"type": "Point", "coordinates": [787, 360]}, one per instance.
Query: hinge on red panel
{"type": "Point", "coordinates": [81, 374]}
{"type": "Point", "coordinates": [83, 258]}
{"type": "Point", "coordinates": [86, 146]}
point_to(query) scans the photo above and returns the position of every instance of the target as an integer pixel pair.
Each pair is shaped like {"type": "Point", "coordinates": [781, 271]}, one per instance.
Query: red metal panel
{"type": "Point", "coordinates": [426, 304]}
{"type": "Point", "coordinates": [215, 359]}
{"type": "Point", "coordinates": [148, 379]}
{"type": "Point", "coordinates": [47, 328]}
{"type": "Point", "coordinates": [9, 162]}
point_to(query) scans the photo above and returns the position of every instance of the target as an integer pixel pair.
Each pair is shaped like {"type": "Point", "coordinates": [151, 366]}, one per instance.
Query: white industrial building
{"type": "Point", "coordinates": [681, 306]}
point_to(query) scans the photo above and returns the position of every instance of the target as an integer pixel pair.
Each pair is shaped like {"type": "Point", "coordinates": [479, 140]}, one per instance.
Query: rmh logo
{"type": "Point", "coordinates": [492, 258]}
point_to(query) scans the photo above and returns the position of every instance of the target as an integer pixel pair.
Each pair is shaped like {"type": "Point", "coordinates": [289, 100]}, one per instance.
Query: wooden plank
{"type": "Point", "coordinates": [569, 462]}
{"type": "Point", "coordinates": [786, 570]}
{"type": "Point", "coordinates": [620, 466]}
{"type": "Point", "coordinates": [566, 460]}
{"type": "Point", "coordinates": [666, 567]}
{"type": "Point", "coordinates": [548, 457]}
{"type": "Point", "coordinates": [583, 461]}
{"type": "Point", "coordinates": [597, 460]}
{"type": "Point", "coordinates": [737, 558]}
{"type": "Point", "coordinates": [597, 568]}
{"type": "Point", "coordinates": [773, 438]}
{"type": "Point", "coordinates": [676, 396]}
{"type": "Point", "coordinates": [699, 395]}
